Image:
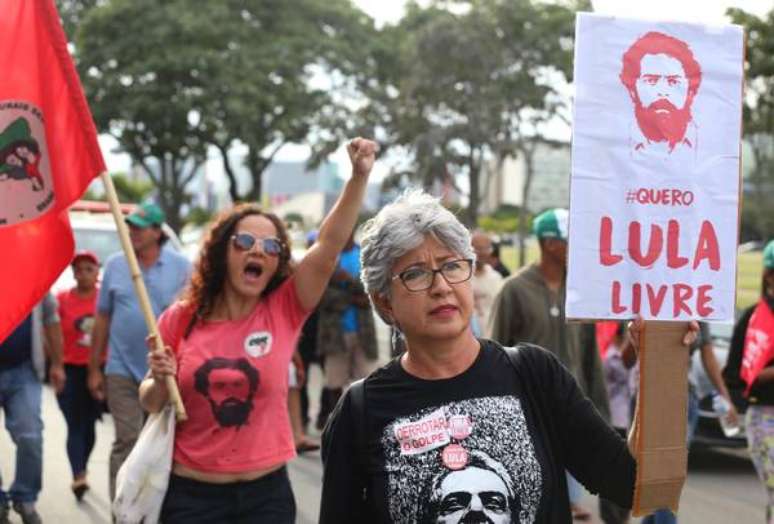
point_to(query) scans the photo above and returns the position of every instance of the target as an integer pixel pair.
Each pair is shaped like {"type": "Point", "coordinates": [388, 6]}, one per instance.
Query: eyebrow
{"type": "Point", "coordinates": [440, 259]}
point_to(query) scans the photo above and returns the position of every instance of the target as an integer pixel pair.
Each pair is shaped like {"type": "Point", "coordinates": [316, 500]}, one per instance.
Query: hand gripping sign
{"type": "Point", "coordinates": [654, 205]}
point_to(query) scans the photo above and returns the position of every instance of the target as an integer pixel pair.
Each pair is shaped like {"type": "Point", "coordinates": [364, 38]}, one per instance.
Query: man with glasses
{"type": "Point", "coordinates": [346, 337]}
{"type": "Point", "coordinates": [530, 308]}
{"type": "Point", "coordinates": [120, 325]}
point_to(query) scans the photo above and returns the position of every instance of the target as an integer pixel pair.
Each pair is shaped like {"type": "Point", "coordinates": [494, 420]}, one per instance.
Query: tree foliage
{"type": "Point", "coordinates": [758, 221]}
{"type": "Point", "coordinates": [267, 87]}
{"type": "Point", "coordinates": [142, 63]}
{"type": "Point", "coordinates": [473, 84]}
{"type": "Point", "coordinates": [168, 79]}
{"type": "Point", "coordinates": [455, 84]}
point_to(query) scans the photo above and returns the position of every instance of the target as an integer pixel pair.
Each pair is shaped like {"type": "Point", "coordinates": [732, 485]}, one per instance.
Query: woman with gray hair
{"type": "Point", "coordinates": [451, 397]}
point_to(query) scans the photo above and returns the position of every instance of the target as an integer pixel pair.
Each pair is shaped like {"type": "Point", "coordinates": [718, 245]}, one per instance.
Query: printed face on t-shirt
{"type": "Point", "coordinates": [229, 385]}
{"type": "Point", "coordinates": [466, 461]}
{"type": "Point", "coordinates": [473, 495]}
{"type": "Point", "coordinates": [83, 326]}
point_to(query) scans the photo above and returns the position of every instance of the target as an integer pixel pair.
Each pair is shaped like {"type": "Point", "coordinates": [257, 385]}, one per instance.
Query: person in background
{"type": "Point", "coordinates": [22, 368]}
{"type": "Point", "coordinates": [307, 348]}
{"type": "Point", "coordinates": [296, 380]}
{"type": "Point", "coordinates": [495, 261]}
{"type": "Point", "coordinates": [120, 324]}
{"type": "Point", "coordinates": [750, 369]}
{"type": "Point", "coordinates": [297, 374]}
{"type": "Point", "coordinates": [620, 391]}
{"type": "Point", "coordinates": [530, 308]}
{"type": "Point", "coordinates": [346, 335]}
{"type": "Point", "coordinates": [486, 281]}
{"type": "Point", "coordinates": [77, 307]}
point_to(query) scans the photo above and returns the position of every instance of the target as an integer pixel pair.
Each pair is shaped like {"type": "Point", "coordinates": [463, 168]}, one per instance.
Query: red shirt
{"type": "Point", "coordinates": [233, 379]}
{"type": "Point", "coordinates": [76, 314]}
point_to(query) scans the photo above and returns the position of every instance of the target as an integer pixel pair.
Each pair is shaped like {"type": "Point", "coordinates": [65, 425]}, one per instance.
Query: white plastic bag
{"type": "Point", "coordinates": [143, 478]}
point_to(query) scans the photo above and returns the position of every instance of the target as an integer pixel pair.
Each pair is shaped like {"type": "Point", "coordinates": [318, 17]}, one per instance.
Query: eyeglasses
{"type": "Point", "coordinates": [421, 279]}
{"type": "Point", "coordinates": [245, 242]}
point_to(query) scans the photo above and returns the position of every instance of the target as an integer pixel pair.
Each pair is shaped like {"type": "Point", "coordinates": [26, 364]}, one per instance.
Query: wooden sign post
{"type": "Point", "coordinates": [660, 428]}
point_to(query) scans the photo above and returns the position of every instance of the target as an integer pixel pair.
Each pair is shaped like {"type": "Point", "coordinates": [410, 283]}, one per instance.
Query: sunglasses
{"type": "Point", "coordinates": [245, 242]}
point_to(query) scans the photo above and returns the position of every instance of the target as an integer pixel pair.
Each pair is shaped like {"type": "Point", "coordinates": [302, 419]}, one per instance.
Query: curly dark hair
{"type": "Point", "coordinates": [209, 275]}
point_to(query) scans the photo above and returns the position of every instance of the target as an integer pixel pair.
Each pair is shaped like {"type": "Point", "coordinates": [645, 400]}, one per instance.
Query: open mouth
{"type": "Point", "coordinates": [253, 271]}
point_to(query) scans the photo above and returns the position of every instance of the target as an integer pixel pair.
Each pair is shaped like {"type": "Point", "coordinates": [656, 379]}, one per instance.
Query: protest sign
{"type": "Point", "coordinates": [655, 170]}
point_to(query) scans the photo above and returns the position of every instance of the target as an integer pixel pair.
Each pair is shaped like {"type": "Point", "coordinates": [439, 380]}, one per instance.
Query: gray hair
{"type": "Point", "coordinates": [402, 226]}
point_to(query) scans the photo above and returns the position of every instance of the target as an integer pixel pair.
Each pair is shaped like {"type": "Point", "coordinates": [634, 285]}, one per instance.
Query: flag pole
{"type": "Point", "coordinates": [140, 290]}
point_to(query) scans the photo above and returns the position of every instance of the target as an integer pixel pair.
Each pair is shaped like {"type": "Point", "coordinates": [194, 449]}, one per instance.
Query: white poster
{"type": "Point", "coordinates": [655, 170]}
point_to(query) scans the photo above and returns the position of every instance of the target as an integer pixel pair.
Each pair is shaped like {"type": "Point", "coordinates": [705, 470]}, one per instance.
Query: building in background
{"type": "Point", "coordinates": [550, 182]}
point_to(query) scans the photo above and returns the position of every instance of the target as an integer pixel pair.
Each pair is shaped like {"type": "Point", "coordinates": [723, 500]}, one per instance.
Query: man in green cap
{"type": "Point", "coordinates": [120, 324]}
{"type": "Point", "coordinates": [530, 308]}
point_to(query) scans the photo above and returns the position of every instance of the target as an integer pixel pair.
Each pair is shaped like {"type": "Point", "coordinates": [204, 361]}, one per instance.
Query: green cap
{"type": "Point", "coordinates": [146, 215]}
{"type": "Point", "coordinates": [17, 131]}
{"type": "Point", "coordinates": [768, 255]}
{"type": "Point", "coordinates": [551, 224]}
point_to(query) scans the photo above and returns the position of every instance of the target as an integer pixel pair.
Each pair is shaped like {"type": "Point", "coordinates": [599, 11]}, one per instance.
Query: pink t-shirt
{"type": "Point", "coordinates": [233, 379]}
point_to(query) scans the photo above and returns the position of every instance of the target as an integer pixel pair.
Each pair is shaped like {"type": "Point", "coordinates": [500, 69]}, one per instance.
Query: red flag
{"type": "Point", "coordinates": [758, 344]}
{"type": "Point", "coordinates": [48, 154]}
{"type": "Point", "coordinates": [605, 330]}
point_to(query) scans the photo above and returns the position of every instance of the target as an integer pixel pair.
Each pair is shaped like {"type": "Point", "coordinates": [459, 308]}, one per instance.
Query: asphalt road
{"type": "Point", "coordinates": [722, 487]}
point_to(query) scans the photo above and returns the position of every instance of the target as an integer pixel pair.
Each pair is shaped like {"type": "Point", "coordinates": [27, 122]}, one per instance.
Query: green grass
{"type": "Point", "coordinates": [510, 255]}
{"type": "Point", "coordinates": [748, 278]}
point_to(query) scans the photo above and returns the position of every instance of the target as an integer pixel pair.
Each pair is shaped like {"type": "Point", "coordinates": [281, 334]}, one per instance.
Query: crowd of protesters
{"type": "Point", "coordinates": [242, 327]}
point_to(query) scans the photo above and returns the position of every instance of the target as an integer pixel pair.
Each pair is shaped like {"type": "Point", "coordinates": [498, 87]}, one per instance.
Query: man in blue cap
{"type": "Point", "coordinates": [530, 308]}
{"type": "Point", "coordinates": [120, 324]}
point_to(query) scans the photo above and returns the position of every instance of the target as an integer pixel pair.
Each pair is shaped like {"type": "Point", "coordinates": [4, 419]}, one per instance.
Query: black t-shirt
{"type": "Point", "coordinates": [488, 445]}
{"type": "Point", "coordinates": [761, 393]}
{"type": "Point", "coordinates": [17, 348]}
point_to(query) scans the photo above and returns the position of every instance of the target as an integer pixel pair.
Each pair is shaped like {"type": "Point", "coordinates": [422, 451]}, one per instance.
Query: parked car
{"type": "Point", "coordinates": [708, 431]}
{"type": "Point", "coordinates": [94, 229]}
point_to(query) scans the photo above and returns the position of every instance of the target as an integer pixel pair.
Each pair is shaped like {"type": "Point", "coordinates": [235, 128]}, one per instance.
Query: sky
{"type": "Point", "coordinates": [390, 11]}
{"type": "Point", "coordinates": [704, 11]}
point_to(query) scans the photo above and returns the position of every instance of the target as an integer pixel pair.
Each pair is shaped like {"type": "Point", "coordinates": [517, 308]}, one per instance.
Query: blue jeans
{"type": "Point", "coordinates": [20, 397]}
{"type": "Point", "coordinates": [80, 411]}
{"type": "Point", "coordinates": [664, 516]}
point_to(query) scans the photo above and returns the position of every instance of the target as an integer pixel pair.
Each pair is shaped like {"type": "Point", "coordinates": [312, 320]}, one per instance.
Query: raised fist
{"type": "Point", "coordinates": [362, 154]}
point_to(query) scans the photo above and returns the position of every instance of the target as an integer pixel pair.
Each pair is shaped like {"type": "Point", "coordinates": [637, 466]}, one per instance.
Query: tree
{"type": "Point", "coordinates": [473, 85]}
{"type": "Point", "coordinates": [759, 120]}
{"type": "Point", "coordinates": [260, 88]}
{"type": "Point", "coordinates": [140, 63]}
{"type": "Point", "coordinates": [72, 13]}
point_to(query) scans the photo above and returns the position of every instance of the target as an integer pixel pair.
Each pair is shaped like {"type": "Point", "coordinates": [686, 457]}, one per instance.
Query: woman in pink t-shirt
{"type": "Point", "coordinates": [230, 341]}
